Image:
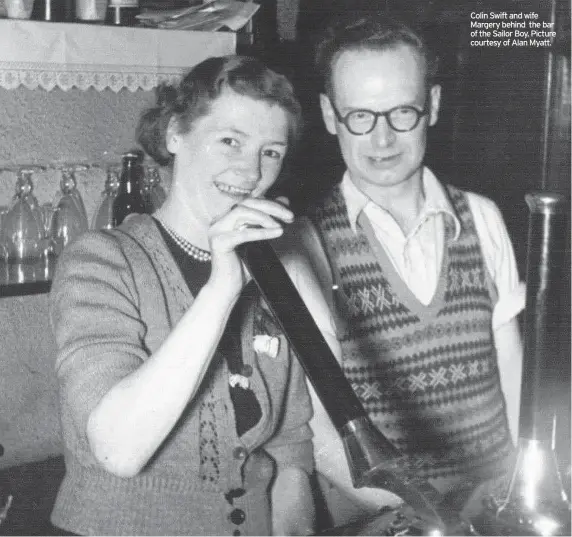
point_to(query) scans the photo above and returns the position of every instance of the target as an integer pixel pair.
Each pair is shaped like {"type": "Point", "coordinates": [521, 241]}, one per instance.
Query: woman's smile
{"type": "Point", "coordinates": [234, 191]}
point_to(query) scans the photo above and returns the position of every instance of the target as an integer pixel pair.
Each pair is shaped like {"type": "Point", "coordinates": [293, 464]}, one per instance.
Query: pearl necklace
{"type": "Point", "coordinates": [194, 251]}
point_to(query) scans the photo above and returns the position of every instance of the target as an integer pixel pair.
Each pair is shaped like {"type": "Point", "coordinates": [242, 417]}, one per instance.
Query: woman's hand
{"type": "Point", "coordinates": [253, 219]}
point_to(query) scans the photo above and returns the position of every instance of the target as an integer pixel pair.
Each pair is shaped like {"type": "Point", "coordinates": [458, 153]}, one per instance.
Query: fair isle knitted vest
{"type": "Point", "coordinates": [426, 375]}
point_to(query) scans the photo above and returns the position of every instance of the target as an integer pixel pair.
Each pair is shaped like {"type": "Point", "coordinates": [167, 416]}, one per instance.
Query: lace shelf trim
{"type": "Point", "coordinates": [36, 54]}
{"type": "Point", "coordinates": [100, 78]}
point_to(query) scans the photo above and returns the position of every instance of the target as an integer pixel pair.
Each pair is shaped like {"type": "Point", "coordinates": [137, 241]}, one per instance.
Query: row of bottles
{"type": "Point", "coordinates": [30, 231]}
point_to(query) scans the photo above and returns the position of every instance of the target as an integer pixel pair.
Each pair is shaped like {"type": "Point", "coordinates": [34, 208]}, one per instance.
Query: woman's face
{"type": "Point", "coordinates": [234, 152]}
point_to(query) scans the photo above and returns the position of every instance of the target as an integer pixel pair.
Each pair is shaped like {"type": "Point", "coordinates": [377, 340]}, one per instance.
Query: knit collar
{"type": "Point", "coordinates": [436, 201]}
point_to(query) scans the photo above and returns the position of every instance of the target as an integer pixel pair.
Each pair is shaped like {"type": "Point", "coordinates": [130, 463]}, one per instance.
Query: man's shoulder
{"type": "Point", "coordinates": [475, 200]}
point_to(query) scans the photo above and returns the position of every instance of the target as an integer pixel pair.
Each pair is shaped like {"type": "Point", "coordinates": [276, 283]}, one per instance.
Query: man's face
{"type": "Point", "coordinates": [380, 80]}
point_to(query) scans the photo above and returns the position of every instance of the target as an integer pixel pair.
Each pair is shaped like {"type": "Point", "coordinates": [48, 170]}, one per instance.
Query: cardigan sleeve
{"type": "Point", "coordinates": [96, 324]}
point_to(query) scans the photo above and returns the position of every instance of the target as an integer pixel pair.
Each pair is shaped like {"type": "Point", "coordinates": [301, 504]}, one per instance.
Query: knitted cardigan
{"type": "Point", "coordinates": [115, 297]}
{"type": "Point", "coordinates": [426, 375]}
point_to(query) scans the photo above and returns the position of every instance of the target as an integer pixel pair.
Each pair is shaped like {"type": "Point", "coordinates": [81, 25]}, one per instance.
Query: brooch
{"type": "Point", "coordinates": [238, 380]}
{"type": "Point", "coordinates": [269, 345]}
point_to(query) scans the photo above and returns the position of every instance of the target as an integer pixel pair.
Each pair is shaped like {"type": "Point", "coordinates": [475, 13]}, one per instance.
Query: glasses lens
{"type": "Point", "coordinates": [360, 121]}
{"type": "Point", "coordinates": [404, 118]}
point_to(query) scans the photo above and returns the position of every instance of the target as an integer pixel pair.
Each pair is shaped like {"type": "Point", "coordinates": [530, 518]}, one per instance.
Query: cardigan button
{"type": "Point", "coordinates": [239, 453]}
{"type": "Point", "coordinates": [234, 493]}
{"type": "Point", "coordinates": [246, 370]}
{"type": "Point", "coordinates": [237, 516]}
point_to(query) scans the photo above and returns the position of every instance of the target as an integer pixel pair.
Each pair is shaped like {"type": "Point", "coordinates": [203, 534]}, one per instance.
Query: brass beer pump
{"type": "Point", "coordinates": [373, 461]}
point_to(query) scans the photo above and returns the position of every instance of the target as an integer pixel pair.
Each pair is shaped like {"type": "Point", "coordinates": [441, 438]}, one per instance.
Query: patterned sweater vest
{"type": "Point", "coordinates": [426, 375]}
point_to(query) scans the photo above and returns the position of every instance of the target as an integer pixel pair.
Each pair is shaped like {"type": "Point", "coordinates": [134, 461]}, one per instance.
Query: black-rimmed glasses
{"type": "Point", "coordinates": [362, 121]}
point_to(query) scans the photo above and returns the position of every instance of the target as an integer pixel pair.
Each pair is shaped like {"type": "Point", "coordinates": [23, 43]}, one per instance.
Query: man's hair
{"type": "Point", "coordinates": [374, 31]}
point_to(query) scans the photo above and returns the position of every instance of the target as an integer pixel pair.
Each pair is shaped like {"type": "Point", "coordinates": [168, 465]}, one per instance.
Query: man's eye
{"type": "Point", "coordinates": [405, 111]}
{"type": "Point", "coordinates": [361, 115]}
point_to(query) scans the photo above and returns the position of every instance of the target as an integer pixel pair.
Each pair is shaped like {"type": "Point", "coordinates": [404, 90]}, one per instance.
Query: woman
{"type": "Point", "coordinates": [182, 409]}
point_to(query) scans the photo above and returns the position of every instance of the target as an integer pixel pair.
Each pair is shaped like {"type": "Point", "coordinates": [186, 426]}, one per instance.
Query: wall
{"type": "Point", "coordinates": [40, 127]}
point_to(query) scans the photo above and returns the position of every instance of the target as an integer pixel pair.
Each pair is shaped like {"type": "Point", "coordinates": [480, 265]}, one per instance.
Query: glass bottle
{"type": "Point", "coordinates": [129, 197]}
{"type": "Point", "coordinates": [103, 216]}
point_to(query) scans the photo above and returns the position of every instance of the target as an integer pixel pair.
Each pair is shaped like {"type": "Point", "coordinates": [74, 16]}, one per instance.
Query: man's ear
{"type": "Point", "coordinates": [435, 103]}
{"type": "Point", "coordinates": [328, 114]}
{"type": "Point", "coordinates": [172, 137]}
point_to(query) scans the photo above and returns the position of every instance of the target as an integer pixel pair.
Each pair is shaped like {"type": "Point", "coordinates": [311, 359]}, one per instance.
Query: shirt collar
{"type": "Point", "coordinates": [436, 200]}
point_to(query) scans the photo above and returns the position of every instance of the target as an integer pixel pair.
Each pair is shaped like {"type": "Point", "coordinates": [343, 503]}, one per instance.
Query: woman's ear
{"type": "Point", "coordinates": [172, 137]}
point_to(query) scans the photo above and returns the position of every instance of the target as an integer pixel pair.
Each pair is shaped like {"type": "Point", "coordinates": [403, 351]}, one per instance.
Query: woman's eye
{"type": "Point", "coordinates": [272, 153]}
{"type": "Point", "coordinates": [232, 142]}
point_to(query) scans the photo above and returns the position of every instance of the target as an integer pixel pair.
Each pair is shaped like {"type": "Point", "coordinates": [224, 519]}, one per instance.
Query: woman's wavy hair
{"type": "Point", "coordinates": [193, 96]}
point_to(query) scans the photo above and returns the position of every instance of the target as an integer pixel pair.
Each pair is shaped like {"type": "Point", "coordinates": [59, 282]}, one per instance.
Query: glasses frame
{"type": "Point", "coordinates": [376, 115]}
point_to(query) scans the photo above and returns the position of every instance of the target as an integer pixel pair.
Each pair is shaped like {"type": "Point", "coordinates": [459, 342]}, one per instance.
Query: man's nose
{"type": "Point", "coordinates": [382, 135]}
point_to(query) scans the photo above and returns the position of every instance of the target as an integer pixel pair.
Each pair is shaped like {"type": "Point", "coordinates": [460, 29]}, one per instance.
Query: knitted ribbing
{"type": "Point", "coordinates": [426, 375]}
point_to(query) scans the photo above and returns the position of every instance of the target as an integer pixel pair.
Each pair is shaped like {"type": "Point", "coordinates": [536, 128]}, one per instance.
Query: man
{"type": "Point", "coordinates": [419, 276]}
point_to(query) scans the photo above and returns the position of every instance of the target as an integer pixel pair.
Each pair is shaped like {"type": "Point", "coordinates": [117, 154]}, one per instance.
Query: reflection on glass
{"type": "Point", "coordinates": [3, 246]}
{"type": "Point", "coordinates": [48, 244]}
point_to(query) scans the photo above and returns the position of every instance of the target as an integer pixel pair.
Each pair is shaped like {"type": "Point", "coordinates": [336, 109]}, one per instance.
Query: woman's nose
{"type": "Point", "coordinates": [249, 166]}
{"type": "Point", "coordinates": [382, 135]}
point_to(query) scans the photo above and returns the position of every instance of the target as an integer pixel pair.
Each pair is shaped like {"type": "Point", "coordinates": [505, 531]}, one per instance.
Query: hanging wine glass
{"type": "Point", "coordinates": [25, 185]}
{"type": "Point", "coordinates": [103, 216]}
{"type": "Point", "coordinates": [69, 219]}
{"type": "Point", "coordinates": [157, 193]}
{"type": "Point", "coordinates": [22, 229]}
{"type": "Point", "coordinates": [68, 184]}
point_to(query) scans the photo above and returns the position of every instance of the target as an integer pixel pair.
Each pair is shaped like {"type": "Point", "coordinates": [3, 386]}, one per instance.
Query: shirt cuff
{"type": "Point", "coordinates": [509, 306]}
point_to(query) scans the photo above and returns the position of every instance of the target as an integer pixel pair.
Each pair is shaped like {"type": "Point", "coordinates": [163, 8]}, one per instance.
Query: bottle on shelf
{"type": "Point", "coordinates": [129, 197]}
{"type": "Point", "coordinates": [54, 10]}
{"type": "Point", "coordinates": [91, 11]}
